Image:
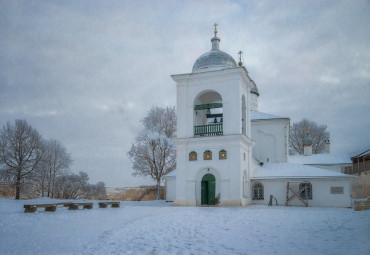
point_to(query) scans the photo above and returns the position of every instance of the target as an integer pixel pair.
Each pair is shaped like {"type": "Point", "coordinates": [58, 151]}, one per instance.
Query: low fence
{"type": "Point", "coordinates": [6, 190]}
{"type": "Point", "coordinates": [4, 184]}
{"type": "Point", "coordinates": [142, 193]}
{"type": "Point", "coordinates": [361, 205]}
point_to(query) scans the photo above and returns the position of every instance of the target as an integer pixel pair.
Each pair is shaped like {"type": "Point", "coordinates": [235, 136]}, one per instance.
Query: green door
{"type": "Point", "coordinates": [204, 193]}
{"type": "Point", "coordinates": [208, 190]}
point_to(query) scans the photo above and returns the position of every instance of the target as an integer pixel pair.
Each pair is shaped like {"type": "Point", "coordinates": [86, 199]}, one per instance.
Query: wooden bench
{"type": "Point", "coordinates": [65, 204]}
{"type": "Point", "coordinates": [74, 206]}
{"type": "Point", "coordinates": [113, 204]}
{"type": "Point", "coordinates": [33, 208]}
{"type": "Point", "coordinates": [53, 207]}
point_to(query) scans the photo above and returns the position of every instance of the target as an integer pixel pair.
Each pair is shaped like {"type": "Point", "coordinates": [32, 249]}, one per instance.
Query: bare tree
{"type": "Point", "coordinates": [20, 152]}
{"type": "Point", "coordinates": [317, 132]}
{"type": "Point", "coordinates": [70, 185]}
{"type": "Point", "coordinates": [77, 186]}
{"type": "Point", "coordinates": [153, 152]}
{"type": "Point", "coordinates": [55, 161]}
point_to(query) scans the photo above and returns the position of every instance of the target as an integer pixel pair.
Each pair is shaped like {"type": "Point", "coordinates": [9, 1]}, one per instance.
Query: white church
{"type": "Point", "coordinates": [229, 151]}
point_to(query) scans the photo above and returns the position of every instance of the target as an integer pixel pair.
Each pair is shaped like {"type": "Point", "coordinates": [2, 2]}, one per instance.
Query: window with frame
{"type": "Point", "coordinates": [306, 193]}
{"type": "Point", "coordinates": [257, 190]}
{"type": "Point", "coordinates": [336, 190]}
{"type": "Point", "coordinates": [192, 156]}
{"type": "Point", "coordinates": [223, 154]}
{"type": "Point", "coordinates": [207, 155]}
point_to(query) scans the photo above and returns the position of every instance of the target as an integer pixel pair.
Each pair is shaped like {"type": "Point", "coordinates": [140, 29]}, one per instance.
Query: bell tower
{"type": "Point", "coordinates": [213, 131]}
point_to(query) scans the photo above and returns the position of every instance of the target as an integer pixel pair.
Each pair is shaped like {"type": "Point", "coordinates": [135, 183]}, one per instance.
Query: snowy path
{"type": "Point", "coordinates": [159, 228]}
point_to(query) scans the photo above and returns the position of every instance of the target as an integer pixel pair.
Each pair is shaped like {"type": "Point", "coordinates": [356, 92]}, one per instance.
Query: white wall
{"type": "Point", "coordinates": [228, 172]}
{"type": "Point", "coordinates": [170, 189]}
{"type": "Point", "coordinates": [271, 138]}
{"type": "Point", "coordinates": [231, 84]}
{"type": "Point", "coordinates": [254, 102]}
{"type": "Point", "coordinates": [320, 192]}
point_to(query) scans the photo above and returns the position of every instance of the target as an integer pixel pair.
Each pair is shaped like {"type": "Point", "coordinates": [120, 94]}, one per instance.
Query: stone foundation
{"type": "Point", "coordinates": [362, 205]}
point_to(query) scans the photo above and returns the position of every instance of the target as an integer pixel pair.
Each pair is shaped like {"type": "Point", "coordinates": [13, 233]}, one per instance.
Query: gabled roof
{"type": "Point", "coordinates": [264, 116]}
{"type": "Point", "coordinates": [360, 153]}
{"type": "Point", "coordinates": [321, 159]}
{"type": "Point", "coordinates": [286, 170]}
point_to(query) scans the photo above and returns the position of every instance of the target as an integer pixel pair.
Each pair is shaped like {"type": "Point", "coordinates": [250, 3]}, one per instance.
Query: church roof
{"type": "Point", "coordinates": [215, 57]}
{"type": "Point", "coordinates": [286, 170]}
{"type": "Point", "coordinates": [321, 159]}
{"type": "Point", "coordinates": [264, 116]}
{"type": "Point", "coordinates": [360, 153]}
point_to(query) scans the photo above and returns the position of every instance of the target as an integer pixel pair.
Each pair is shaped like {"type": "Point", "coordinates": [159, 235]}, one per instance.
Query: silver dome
{"type": "Point", "coordinates": [214, 58]}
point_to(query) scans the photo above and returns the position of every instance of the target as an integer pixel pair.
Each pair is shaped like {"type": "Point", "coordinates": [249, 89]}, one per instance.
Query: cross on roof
{"type": "Point", "coordinates": [215, 25]}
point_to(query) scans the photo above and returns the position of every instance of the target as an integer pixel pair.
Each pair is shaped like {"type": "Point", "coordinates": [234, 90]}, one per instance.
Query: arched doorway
{"type": "Point", "coordinates": [208, 189]}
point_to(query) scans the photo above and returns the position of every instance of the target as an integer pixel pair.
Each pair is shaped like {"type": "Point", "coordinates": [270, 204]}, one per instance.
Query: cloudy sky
{"type": "Point", "coordinates": [86, 72]}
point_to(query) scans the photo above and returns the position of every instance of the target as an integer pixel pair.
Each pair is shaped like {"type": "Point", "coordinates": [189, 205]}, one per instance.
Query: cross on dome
{"type": "Point", "coordinates": [240, 53]}
{"type": "Point", "coordinates": [214, 58]}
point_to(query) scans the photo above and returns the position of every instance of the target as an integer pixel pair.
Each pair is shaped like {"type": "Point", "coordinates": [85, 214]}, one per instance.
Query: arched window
{"type": "Point", "coordinates": [208, 114]}
{"type": "Point", "coordinates": [257, 191]}
{"type": "Point", "coordinates": [306, 190]}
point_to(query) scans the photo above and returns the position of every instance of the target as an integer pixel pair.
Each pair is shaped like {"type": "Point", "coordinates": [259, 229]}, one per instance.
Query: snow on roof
{"type": "Point", "coordinates": [321, 159]}
{"type": "Point", "coordinates": [264, 116]}
{"type": "Point", "coordinates": [170, 175]}
{"type": "Point", "coordinates": [293, 171]}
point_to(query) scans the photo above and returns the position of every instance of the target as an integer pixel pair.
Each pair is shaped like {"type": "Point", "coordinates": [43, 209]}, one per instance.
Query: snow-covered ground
{"type": "Point", "coordinates": [157, 227]}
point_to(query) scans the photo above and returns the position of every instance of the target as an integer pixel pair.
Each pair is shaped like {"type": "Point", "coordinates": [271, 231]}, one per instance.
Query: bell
{"type": "Point", "coordinates": [208, 111]}
{"type": "Point", "coordinates": [221, 120]}
{"type": "Point", "coordinates": [215, 121]}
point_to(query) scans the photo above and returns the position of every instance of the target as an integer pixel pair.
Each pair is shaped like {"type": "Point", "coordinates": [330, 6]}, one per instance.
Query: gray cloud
{"type": "Point", "coordinates": [87, 72]}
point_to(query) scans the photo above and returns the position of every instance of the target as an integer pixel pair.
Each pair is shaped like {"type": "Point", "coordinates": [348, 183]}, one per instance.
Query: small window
{"type": "Point", "coordinates": [207, 155]}
{"type": "Point", "coordinates": [336, 190]}
{"type": "Point", "coordinates": [223, 154]}
{"type": "Point", "coordinates": [192, 156]}
{"type": "Point", "coordinates": [305, 190]}
{"type": "Point", "coordinates": [257, 191]}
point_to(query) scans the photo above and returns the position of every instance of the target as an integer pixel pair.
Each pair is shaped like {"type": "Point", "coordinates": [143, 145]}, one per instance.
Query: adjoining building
{"type": "Point", "coordinates": [361, 162]}
{"type": "Point", "coordinates": [226, 147]}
